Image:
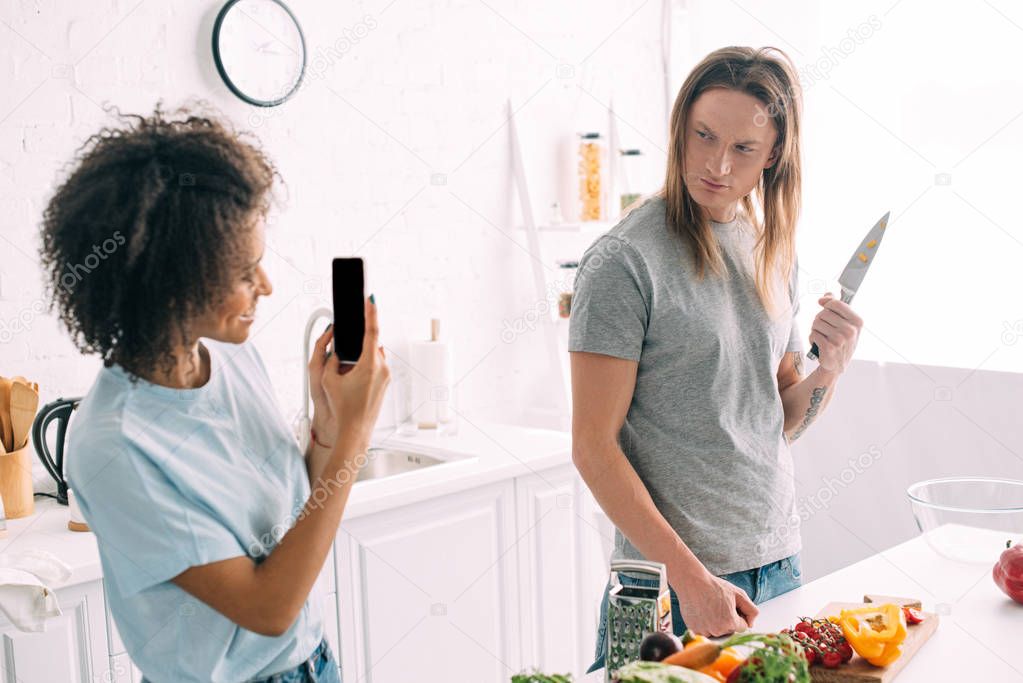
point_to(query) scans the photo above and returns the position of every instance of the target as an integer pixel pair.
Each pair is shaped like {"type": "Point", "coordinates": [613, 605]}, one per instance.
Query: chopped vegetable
{"type": "Point", "coordinates": [871, 244]}
{"type": "Point", "coordinates": [690, 639]}
{"type": "Point", "coordinates": [537, 677]}
{"type": "Point", "coordinates": [695, 655]}
{"type": "Point", "coordinates": [913, 615]}
{"type": "Point", "coordinates": [780, 659]}
{"type": "Point", "coordinates": [862, 257]}
{"type": "Point", "coordinates": [722, 667]}
{"type": "Point", "coordinates": [658, 672]}
{"type": "Point", "coordinates": [658, 645]}
{"type": "Point", "coordinates": [876, 633]}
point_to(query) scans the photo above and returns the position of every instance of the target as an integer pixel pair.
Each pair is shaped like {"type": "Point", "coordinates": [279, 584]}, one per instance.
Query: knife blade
{"type": "Point", "coordinates": [852, 277]}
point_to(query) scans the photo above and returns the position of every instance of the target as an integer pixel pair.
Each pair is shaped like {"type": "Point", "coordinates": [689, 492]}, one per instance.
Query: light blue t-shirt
{"type": "Point", "coordinates": [173, 478]}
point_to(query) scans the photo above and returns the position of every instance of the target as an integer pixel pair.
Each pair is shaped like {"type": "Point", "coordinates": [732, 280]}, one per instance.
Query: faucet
{"type": "Point", "coordinates": [303, 422]}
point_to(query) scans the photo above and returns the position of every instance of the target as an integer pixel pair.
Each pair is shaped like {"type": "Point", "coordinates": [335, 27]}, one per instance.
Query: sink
{"type": "Point", "coordinates": [391, 462]}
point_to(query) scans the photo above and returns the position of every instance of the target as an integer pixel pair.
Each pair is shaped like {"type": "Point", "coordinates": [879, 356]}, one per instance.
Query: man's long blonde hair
{"type": "Point", "coordinates": [768, 75]}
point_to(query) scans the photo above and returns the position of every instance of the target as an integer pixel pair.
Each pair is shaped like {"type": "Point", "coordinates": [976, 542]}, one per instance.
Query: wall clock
{"type": "Point", "coordinates": [259, 50]}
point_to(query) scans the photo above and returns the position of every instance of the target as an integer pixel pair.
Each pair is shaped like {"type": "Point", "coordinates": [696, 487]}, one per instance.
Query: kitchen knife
{"type": "Point", "coordinates": [852, 276]}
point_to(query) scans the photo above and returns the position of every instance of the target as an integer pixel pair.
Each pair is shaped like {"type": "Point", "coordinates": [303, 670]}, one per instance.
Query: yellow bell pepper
{"type": "Point", "coordinates": [729, 659]}
{"type": "Point", "coordinates": [875, 633]}
{"type": "Point", "coordinates": [695, 640]}
{"type": "Point", "coordinates": [890, 654]}
{"type": "Point", "coordinates": [722, 666]}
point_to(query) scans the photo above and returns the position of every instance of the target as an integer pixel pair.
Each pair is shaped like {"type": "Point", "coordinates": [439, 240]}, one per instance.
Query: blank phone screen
{"type": "Point", "coordinates": [349, 308]}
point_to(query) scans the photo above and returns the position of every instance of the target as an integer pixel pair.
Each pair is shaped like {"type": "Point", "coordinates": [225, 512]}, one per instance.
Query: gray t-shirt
{"type": "Point", "coordinates": [704, 431]}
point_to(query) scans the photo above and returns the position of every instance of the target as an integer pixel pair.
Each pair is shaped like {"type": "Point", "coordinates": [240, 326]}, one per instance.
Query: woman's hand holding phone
{"type": "Point", "coordinates": [324, 422]}
{"type": "Point", "coordinates": [353, 394]}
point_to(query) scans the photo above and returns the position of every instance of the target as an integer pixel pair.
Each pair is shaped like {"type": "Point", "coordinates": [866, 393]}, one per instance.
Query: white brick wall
{"type": "Point", "coordinates": [422, 93]}
{"type": "Point", "coordinates": [431, 82]}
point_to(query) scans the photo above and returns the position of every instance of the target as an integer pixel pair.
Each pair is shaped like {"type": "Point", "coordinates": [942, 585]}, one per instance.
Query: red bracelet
{"type": "Point", "coordinates": [312, 434]}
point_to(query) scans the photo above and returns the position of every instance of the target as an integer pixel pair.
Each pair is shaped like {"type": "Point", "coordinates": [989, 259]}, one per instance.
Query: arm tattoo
{"type": "Point", "coordinates": [797, 361]}
{"type": "Point", "coordinates": [811, 413]}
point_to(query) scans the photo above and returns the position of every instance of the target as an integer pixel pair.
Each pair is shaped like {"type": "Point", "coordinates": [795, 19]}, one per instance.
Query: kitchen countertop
{"type": "Point", "coordinates": [979, 633]}
{"type": "Point", "coordinates": [975, 641]}
{"type": "Point", "coordinates": [481, 453]}
{"type": "Point", "coordinates": [46, 529]}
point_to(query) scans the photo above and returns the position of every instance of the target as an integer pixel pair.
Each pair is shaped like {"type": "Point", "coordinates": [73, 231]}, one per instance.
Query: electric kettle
{"type": "Point", "coordinates": [58, 411]}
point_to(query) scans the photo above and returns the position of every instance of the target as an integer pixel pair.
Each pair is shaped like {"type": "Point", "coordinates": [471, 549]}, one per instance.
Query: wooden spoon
{"type": "Point", "coordinates": [24, 403]}
{"type": "Point", "coordinates": [19, 378]}
{"type": "Point", "coordinates": [6, 430]}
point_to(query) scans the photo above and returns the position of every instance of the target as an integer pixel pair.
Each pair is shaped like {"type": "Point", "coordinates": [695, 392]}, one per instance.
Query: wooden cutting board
{"type": "Point", "coordinates": [858, 670]}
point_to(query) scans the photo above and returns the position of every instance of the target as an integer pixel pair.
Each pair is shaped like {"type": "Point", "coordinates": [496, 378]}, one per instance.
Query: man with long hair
{"type": "Point", "coordinates": [687, 376]}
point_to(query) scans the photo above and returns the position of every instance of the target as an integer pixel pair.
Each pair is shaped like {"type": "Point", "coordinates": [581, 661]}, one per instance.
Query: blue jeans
{"type": "Point", "coordinates": [321, 667]}
{"type": "Point", "coordinates": [761, 584]}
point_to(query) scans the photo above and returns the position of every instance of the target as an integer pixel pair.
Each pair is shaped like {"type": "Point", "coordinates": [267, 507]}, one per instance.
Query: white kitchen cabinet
{"type": "Point", "coordinates": [429, 591]}
{"type": "Point", "coordinates": [597, 539]}
{"type": "Point", "coordinates": [548, 556]}
{"type": "Point", "coordinates": [474, 585]}
{"type": "Point", "coordinates": [113, 637]}
{"type": "Point", "coordinates": [330, 623]}
{"type": "Point", "coordinates": [122, 670]}
{"type": "Point", "coordinates": [73, 647]}
{"type": "Point", "coordinates": [422, 585]}
{"type": "Point", "coordinates": [330, 611]}
{"type": "Point", "coordinates": [564, 544]}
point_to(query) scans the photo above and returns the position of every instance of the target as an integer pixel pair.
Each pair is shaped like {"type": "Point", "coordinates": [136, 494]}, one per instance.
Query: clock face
{"type": "Point", "coordinates": [259, 50]}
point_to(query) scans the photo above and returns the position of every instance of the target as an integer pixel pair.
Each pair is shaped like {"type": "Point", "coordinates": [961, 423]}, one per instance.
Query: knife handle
{"type": "Point", "coordinates": [846, 298]}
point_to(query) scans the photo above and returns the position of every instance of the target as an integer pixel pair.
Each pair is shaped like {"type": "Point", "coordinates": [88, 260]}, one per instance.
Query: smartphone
{"type": "Point", "coordinates": [349, 282]}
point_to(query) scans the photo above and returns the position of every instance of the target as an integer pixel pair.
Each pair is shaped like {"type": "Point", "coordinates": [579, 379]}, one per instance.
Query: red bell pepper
{"type": "Point", "coordinates": [1008, 572]}
{"type": "Point", "coordinates": [913, 615]}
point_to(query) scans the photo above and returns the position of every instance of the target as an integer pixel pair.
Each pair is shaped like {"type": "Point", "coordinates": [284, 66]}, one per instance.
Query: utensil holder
{"type": "Point", "coordinates": [16, 483]}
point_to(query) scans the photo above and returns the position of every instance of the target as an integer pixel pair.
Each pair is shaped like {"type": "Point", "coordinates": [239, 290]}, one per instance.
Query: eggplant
{"type": "Point", "coordinates": [656, 646]}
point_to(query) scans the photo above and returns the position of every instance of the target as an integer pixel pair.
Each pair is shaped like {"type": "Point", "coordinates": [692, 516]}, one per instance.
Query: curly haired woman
{"type": "Point", "coordinates": [212, 525]}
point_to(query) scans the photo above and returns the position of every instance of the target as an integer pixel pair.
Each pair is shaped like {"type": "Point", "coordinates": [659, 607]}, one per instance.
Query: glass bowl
{"type": "Point", "coordinates": [968, 519]}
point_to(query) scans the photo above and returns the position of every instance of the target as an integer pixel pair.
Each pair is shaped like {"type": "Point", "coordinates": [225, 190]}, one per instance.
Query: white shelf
{"type": "Point", "coordinates": [588, 227]}
{"type": "Point", "coordinates": [562, 241]}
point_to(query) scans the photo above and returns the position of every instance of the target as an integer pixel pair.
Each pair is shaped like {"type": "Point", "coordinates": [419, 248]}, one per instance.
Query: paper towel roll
{"type": "Point", "coordinates": [431, 382]}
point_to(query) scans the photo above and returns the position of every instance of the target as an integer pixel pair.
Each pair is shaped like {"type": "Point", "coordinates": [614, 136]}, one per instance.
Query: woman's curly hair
{"type": "Point", "coordinates": [149, 231]}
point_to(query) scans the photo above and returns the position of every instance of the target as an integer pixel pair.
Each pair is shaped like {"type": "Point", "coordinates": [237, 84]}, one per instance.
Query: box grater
{"type": "Point", "coordinates": [633, 612]}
